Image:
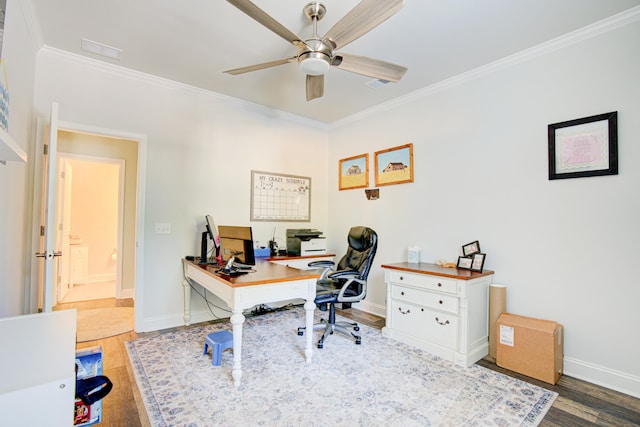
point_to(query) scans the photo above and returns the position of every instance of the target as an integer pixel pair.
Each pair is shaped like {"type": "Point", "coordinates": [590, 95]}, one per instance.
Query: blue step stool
{"type": "Point", "coordinates": [218, 341]}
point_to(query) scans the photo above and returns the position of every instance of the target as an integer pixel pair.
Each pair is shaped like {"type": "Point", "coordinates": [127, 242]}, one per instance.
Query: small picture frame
{"type": "Point", "coordinates": [471, 248]}
{"type": "Point", "coordinates": [477, 262]}
{"type": "Point", "coordinates": [372, 193]}
{"type": "Point", "coordinates": [464, 262]}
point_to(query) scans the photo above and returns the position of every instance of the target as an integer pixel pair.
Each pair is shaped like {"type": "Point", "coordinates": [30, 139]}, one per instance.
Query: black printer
{"type": "Point", "coordinates": [305, 242]}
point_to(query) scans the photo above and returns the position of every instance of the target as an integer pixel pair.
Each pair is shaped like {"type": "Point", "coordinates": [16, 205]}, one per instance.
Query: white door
{"type": "Point", "coordinates": [48, 242]}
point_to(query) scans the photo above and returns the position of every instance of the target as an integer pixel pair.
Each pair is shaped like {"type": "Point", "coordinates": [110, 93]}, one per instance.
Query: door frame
{"type": "Point", "coordinates": [31, 285]}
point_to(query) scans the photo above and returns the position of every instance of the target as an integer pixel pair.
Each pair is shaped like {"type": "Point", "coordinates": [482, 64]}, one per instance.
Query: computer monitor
{"type": "Point", "coordinates": [210, 233]}
{"type": "Point", "coordinates": [237, 242]}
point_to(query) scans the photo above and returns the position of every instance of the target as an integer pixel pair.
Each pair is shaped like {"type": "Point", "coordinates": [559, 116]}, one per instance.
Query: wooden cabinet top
{"type": "Point", "coordinates": [437, 270]}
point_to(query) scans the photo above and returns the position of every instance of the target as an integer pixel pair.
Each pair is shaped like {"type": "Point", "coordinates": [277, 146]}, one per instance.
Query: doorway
{"type": "Point", "coordinates": [88, 140]}
{"type": "Point", "coordinates": [90, 191]}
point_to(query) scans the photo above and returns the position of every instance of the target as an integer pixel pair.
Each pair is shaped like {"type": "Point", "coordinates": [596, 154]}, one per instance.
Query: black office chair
{"type": "Point", "coordinates": [347, 283]}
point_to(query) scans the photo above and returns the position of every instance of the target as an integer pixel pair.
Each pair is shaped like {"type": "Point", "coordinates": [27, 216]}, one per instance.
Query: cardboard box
{"type": "Point", "coordinates": [88, 364]}
{"type": "Point", "coordinates": [529, 346]}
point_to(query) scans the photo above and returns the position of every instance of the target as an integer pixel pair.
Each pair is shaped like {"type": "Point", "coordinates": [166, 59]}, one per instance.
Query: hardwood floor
{"type": "Point", "coordinates": [579, 403]}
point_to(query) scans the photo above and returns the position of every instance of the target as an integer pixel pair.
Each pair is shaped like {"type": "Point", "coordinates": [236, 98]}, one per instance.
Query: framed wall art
{"type": "Point", "coordinates": [394, 165]}
{"type": "Point", "coordinates": [354, 172]}
{"type": "Point", "coordinates": [584, 147]}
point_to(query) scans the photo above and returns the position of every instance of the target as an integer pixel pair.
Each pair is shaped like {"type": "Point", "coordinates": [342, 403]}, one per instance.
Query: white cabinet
{"type": "Point", "coordinates": [441, 310]}
{"type": "Point", "coordinates": [79, 265]}
{"type": "Point", "coordinates": [37, 369]}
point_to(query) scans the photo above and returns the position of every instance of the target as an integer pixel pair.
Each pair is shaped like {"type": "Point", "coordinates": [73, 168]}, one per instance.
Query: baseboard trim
{"type": "Point", "coordinates": [103, 277]}
{"type": "Point", "coordinates": [615, 380]}
{"type": "Point", "coordinates": [377, 309]}
{"type": "Point", "coordinates": [126, 293]}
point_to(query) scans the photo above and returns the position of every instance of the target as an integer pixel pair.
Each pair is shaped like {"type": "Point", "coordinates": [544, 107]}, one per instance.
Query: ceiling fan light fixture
{"type": "Point", "coordinates": [314, 63]}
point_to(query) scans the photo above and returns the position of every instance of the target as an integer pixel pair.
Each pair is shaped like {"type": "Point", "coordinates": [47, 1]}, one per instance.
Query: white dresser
{"type": "Point", "coordinates": [441, 310]}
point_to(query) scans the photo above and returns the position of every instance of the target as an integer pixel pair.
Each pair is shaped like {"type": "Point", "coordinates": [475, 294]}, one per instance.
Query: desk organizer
{"type": "Point", "coordinates": [261, 252]}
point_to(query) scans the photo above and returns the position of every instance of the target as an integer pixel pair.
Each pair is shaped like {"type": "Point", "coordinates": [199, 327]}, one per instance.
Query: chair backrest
{"type": "Point", "coordinates": [363, 243]}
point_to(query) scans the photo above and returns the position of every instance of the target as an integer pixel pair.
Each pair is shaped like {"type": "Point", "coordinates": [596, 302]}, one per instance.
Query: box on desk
{"type": "Point", "coordinates": [532, 347]}
{"type": "Point", "coordinates": [88, 364]}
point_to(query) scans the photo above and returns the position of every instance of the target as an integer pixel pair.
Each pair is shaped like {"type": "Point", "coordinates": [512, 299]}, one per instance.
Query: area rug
{"type": "Point", "coordinates": [379, 383]}
{"type": "Point", "coordinates": [99, 323]}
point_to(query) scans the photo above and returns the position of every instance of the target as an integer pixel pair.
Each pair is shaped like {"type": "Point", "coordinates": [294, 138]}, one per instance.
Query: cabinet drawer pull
{"type": "Point", "coordinates": [404, 312]}
{"type": "Point", "coordinates": [401, 292]}
{"type": "Point", "coordinates": [439, 284]}
{"type": "Point", "coordinates": [440, 302]}
{"type": "Point", "coordinates": [446, 322]}
{"type": "Point", "coordinates": [401, 277]}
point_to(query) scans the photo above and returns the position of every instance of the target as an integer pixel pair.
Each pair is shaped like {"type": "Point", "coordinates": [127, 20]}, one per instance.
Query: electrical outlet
{"type": "Point", "coordinates": [163, 228]}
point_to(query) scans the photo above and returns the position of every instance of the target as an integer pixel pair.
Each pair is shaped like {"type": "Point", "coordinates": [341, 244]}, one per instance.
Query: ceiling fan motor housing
{"type": "Point", "coordinates": [315, 57]}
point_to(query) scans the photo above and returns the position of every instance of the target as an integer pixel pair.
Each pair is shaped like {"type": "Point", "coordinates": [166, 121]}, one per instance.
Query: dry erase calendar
{"type": "Point", "coordinates": [280, 197]}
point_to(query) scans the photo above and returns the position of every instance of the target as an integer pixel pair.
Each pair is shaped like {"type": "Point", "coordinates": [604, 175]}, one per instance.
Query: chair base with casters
{"type": "Point", "coordinates": [330, 326]}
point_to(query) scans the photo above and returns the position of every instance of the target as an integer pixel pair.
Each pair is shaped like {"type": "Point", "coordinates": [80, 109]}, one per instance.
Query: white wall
{"type": "Point", "coordinates": [567, 249]}
{"type": "Point", "coordinates": [18, 52]}
{"type": "Point", "coordinates": [200, 150]}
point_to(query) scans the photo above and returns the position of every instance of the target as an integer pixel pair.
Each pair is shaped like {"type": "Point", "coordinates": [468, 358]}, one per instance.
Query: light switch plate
{"type": "Point", "coordinates": [163, 228]}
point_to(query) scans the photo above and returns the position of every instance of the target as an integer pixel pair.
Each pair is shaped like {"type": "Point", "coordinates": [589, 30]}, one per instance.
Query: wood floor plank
{"type": "Point", "coordinates": [574, 408]}
{"type": "Point", "coordinates": [119, 406]}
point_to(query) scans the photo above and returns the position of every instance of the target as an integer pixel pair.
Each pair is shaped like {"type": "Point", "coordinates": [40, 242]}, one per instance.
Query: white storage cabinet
{"type": "Point", "coordinates": [441, 310]}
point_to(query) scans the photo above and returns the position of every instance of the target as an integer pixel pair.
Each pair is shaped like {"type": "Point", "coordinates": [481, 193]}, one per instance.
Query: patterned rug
{"type": "Point", "coordinates": [99, 323]}
{"type": "Point", "coordinates": [378, 383]}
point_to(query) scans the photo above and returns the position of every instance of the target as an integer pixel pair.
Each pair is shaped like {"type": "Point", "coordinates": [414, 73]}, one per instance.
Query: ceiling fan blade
{"type": "Point", "coordinates": [315, 87]}
{"type": "Point", "coordinates": [364, 17]}
{"type": "Point", "coordinates": [261, 66]}
{"type": "Point", "coordinates": [370, 67]}
{"type": "Point", "coordinates": [265, 19]}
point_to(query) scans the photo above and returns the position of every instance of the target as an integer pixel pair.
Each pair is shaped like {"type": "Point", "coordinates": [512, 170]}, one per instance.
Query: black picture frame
{"type": "Point", "coordinates": [471, 248]}
{"type": "Point", "coordinates": [584, 147]}
{"type": "Point", "coordinates": [464, 262]}
{"type": "Point", "coordinates": [477, 262]}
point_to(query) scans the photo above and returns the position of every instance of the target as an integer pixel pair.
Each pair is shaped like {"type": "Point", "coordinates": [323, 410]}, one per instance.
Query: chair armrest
{"type": "Point", "coordinates": [343, 274]}
{"type": "Point", "coordinates": [323, 264]}
{"type": "Point", "coordinates": [351, 277]}
{"type": "Point", "coordinates": [326, 264]}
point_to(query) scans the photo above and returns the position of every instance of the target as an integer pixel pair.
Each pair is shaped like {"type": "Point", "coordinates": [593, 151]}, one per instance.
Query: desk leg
{"type": "Point", "coordinates": [237, 319]}
{"type": "Point", "coordinates": [309, 307]}
{"type": "Point", "coordinates": [187, 302]}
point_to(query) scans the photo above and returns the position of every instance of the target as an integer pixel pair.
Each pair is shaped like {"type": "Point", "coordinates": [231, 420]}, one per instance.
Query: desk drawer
{"type": "Point", "coordinates": [423, 323]}
{"type": "Point", "coordinates": [429, 299]}
{"type": "Point", "coordinates": [436, 283]}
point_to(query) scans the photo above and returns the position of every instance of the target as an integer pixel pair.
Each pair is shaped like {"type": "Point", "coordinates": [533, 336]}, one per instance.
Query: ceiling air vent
{"type": "Point", "coordinates": [375, 84]}
{"type": "Point", "coordinates": [101, 49]}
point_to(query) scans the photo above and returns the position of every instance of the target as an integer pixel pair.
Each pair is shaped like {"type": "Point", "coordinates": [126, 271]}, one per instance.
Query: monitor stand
{"type": "Point", "coordinates": [203, 250]}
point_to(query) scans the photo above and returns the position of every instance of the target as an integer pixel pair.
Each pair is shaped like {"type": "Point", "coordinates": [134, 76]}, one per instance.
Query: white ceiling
{"type": "Point", "coordinates": [194, 41]}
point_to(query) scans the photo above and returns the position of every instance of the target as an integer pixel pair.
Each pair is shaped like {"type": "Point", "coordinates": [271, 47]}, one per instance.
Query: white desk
{"type": "Point", "coordinates": [271, 282]}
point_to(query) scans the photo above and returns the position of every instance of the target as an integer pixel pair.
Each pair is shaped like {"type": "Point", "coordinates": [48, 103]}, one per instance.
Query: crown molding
{"type": "Point", "coordinates": [601, 27]}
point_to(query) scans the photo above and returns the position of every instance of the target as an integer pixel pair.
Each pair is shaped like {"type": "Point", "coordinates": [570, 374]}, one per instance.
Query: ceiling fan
{"type": "Point", "coordinates": [316, 54]}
